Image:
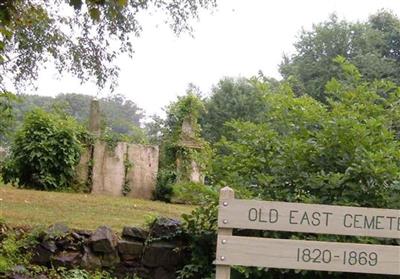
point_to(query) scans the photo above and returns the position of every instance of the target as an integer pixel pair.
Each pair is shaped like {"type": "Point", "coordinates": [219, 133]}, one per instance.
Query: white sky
{"type": "Point", "coordinates": [238, 39]}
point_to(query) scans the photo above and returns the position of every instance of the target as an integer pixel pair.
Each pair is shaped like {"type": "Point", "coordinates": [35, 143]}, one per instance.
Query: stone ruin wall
{"type": "Point", "coordinates": [106, 170]}
{"type": "Point", "coordinates": [110, 172]}
{"type": "Point", "coordinates": [142, 178]}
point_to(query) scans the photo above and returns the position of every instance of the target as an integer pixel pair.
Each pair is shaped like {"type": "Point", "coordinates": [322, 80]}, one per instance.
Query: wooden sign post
{"type": "Point", "coordinates": [301, 254]}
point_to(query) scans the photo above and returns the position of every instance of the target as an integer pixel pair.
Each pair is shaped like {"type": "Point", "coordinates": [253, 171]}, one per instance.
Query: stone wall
{"type": "Point", "coordinates": [156, 253]}
{"type": "Point", "coordinates": [108, 169]}
{"type": "Point", "coordinates": [142, 177]}
{"type": "Point", "coordinates": [128, 166]}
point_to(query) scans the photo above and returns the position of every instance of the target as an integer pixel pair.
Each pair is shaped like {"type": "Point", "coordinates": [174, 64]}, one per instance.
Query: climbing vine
{"type": "Point", "coordinates": [126, 187]}
{"type": "Point", "coordinates": [181, 145]}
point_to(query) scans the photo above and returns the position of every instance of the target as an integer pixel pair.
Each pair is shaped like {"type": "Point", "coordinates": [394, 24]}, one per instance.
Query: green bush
{"type": "Point", "coordinates": [45, 152]}
{"type": "Point", "coordinates": [83, 274]}
{"type": "Point", "coordinates": [200, 228]}
{"type": "Point", "coordinates": [15, 247]}
{"type": "Point", "coordinates": [165, 179]}
{"type": "Point", "coordinates": [192, 193]}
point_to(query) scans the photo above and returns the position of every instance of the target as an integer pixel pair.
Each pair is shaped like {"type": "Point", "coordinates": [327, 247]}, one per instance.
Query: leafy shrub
{"type": "Point", "coordinates": [83, 274]}
{"type": "Point", "coordinates": [45, 152]}
{"type": "Point", "coordinates": [165, 179]}
{"type": "Point", "coordinates": [200, 227]}
{"type": "Point", "coordinates": [14, 249]}
{"type": "Point", "coordinates": [192, 193]}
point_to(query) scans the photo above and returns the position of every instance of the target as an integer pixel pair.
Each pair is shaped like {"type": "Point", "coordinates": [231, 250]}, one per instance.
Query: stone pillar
{"type": "Point", "coordinates": [190, 170]}
{"type": "Point", "coordinates": [95, 118]}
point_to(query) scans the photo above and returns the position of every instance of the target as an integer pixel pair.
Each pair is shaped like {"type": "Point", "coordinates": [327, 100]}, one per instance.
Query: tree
{"type": "Point", "coordinates": [78, 35]}
{"type": "Point", "coordinates": [346, 152]}
{"type": "Point", "coordinates": [372, 46]}
{"type": "Point", "coordinates": [45, 152]}
{"type": "Point", "coordinates": [120, 114]}
{"type": "Point", "coordinates": [231, 99]}
{"type": "Point", "coordinates": [6, 116]}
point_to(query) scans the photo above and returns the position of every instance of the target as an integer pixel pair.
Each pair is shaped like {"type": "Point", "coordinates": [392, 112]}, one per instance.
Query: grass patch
{"type": "Point", "coordinates": [79, 211]}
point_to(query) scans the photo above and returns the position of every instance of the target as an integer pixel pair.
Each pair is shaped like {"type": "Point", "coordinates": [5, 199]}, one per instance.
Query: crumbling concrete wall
{"type": "Point", "coordinates": [142, 177]}
{"type": "Point", "coordinates": [111, 172]}
{"type": "Point", "coordinates": [108, 169]}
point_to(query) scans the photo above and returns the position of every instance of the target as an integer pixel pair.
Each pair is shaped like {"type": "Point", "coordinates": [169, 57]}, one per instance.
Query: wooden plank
{"type": "Point", "coordinates": [226, 196]}
{"type": "Point", "coordinates": [308, 255]}
{"type": "Point", "coordinates": [310, 218]}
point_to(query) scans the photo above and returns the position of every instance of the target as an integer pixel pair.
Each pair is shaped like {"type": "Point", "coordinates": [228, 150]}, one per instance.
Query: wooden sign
{"type": "Point", "coordinates": [310, 218]}
{"type": "Point", "coordinates": [307, 255]}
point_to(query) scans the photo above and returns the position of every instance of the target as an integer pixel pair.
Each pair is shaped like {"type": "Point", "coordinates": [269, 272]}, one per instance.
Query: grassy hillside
{"type": "Point", "coordinates": [80, 211]}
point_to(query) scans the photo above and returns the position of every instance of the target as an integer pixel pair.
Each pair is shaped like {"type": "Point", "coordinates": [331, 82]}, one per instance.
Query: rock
{"type": "Point", "coordinates": [41, 255]}
{"type": "Point", "coordinates": [69, 243]}
{"type": "Point", "coordinates": [67, 259]}
{"type": "Point", "coordinates": [89, 260]}
{"type": "Point", "coordinates": [130, 252]}
{"type": "Point", "coordinates": [161, 254]}
{"type": "Point", "coordinates": [134, 233]}
{"type": "Point", "coordinates": [57, 230]}
{"type": "Point", "coordinates": [49, 245]}
{"type": "Point", "coordinates": [103, 240]}
{"type": "Point", "coordinates": [161, 273]}
{"type": "Point", "coordinates": [165, 228]}
{"type": "Point", "coordinates": [77, 236]}
{"type": "Point", "coordinates": [110, 259]}
{"type": "Point", "coordinates": [83, 233]}
{"type": "Point", "coordinates": [126, 247]}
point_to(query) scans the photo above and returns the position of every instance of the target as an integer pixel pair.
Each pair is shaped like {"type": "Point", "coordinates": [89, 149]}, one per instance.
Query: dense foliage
{"type": "Point", "coordinates": [344, 152]}
{"type": "Point", "coordinates": [7, 100]}
{"type": "Point", "coordinates": [192, 193]}
{"type": "Point", "coordinates": [372, 46]}
{"type": "Point", "coordinates": [231, 99]}
{"type": "Point", "coordinates": [200, 227]}
{"type": "Point", "coordinates": [45, 152]}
